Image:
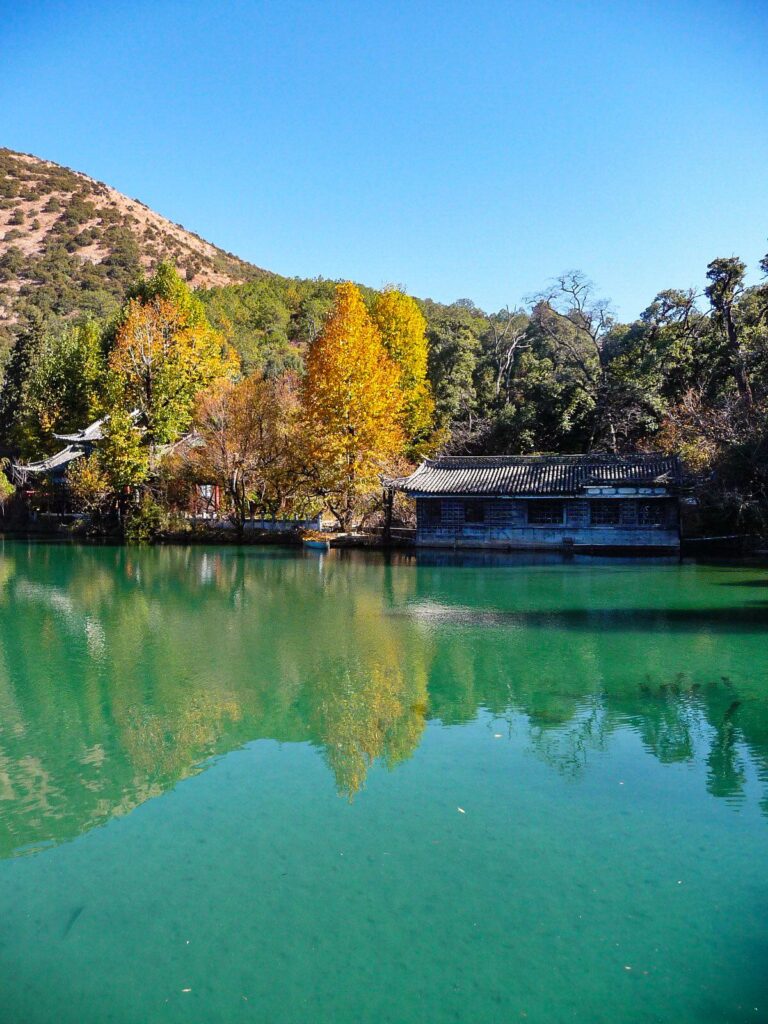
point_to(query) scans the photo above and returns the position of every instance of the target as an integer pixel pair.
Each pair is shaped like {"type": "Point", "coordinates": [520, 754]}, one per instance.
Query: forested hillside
{"type": "Point", "coordinates": [560, 374]}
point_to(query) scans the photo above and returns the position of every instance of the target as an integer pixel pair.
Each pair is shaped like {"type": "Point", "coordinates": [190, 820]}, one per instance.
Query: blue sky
{"type": "Point", "coordinates": [462, 150]}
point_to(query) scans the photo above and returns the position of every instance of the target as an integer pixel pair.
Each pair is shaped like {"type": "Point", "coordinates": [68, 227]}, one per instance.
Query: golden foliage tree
{"type": "Point", "coordinates": [89, 485]}
{"type": "Point", "coordinates": [165, 352]}
{"type": "Point", "coordinates": [403, 331]}
{"type": "Point", "coordinates": [353, 406]}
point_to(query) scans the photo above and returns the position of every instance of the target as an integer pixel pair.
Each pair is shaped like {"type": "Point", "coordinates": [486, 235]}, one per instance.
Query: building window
{"type": "Point", "coordinates": [651, 513]}
{"type": "Point", "coordinates": [545, 513]}
{"type": "Point", "coordinates": [433, 513]}
{"type": "Point", "coordinates": [474, 512]}
{"type": "Point", "coordinates": [604, 513]}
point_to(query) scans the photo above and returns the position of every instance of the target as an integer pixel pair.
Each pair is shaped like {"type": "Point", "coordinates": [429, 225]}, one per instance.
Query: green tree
{"type": "Point", "coordinates": [7, 490]}
{"type": "Point", "coordinates": [726, 287]}
{"type": "Point", "coordinates": [164, 353]}
{"type": "Point", "coordinates": [61, 390]}
{"type": "Point", "coordinates": [123, 454]}
{"type": "Point", "coordinates": [454, 348]}
{"type": "Point", "coordinates": [28, 343]}
{"type": "Point", "coordinates": [576, 325]}
{"type": "Point", "coordinates": [167, 284]}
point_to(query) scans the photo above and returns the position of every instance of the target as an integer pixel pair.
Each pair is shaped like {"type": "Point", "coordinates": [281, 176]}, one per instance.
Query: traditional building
{"type": "Point", "coordinates": [47, 478]}
{"type": "Point", "coordinates": [547, 501]}
{"type": "Point", "coordinates": [53, 469]}
{"type": "Point", "coordinates": [43, 483]}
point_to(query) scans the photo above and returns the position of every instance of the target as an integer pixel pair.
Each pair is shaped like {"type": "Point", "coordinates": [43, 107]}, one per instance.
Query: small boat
{"type": "Point", "coordinates": [316, 540]}
{"type": "Point", "coordinates": [319, 545]}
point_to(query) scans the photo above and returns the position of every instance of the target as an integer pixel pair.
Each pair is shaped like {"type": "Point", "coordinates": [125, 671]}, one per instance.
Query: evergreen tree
{"type": "Point", "coordinates": [61, 390]}
{"type": "Point", "coordinates": [24, 354]}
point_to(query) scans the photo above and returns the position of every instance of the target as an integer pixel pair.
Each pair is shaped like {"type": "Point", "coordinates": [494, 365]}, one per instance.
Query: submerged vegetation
{"type": "Point", "coordinates": [300, 394]}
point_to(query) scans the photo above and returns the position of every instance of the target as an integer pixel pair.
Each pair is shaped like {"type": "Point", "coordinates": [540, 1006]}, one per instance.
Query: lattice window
{"type": "Point", "coordinates": [604, 513]}
{"type": "Point", "coordinates": [651, 513]}
{"type": "Point", "coordinates": [433, 513]}
{"type": "Point", "coordinates": [474, 513]}
{"type": "Point", "coordinates": [545, 513]}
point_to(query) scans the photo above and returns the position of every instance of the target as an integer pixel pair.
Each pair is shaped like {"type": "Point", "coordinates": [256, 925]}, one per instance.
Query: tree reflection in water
{"type": "Point", "coordinates": [363, 714]}
{"type": "Point", "coordinates": [122, 671]}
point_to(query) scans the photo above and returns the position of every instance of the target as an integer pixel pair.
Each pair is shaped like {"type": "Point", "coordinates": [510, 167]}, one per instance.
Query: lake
{"type": "Point", "coordinates": [267, 785]}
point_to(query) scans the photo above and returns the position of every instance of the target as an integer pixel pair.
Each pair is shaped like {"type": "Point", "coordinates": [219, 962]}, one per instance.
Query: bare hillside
{"type": "Point", "coordinates": [69, 243]}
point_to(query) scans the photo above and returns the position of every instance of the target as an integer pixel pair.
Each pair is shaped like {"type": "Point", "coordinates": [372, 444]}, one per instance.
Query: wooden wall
{"type": "Point", "coordinates": [506, 526]}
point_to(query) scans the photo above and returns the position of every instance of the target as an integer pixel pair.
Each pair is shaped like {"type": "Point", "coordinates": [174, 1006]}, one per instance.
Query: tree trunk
{"type": "Point", "coordinates": [389, 499]}
{"type": "Point", "coordinates": [737, 356]}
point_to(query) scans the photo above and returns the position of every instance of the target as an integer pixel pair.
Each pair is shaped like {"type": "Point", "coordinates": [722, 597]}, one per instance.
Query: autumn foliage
{"type": "Point", "coordinates": [403, 332]}
{"type": "Point", "coordinates": [247, 443]}
{"type": "Point", "coordinates": [353, 406]}
{"type": "Point", "coordinates": [180, 410]}
{"type": "Point", "coordinates": [163, 356]}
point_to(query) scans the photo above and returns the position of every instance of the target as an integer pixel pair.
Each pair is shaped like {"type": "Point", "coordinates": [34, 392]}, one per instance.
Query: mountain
{"type": "Point", "coordinates": [69, 243]}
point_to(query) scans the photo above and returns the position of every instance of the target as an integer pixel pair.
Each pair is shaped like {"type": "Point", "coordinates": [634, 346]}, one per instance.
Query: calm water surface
{"type": "Point", "coordinates": [278, 787]}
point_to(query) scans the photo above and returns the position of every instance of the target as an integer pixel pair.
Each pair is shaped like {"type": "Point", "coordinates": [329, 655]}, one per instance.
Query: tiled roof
{"type": "Point", "coordinates": [93, 432]}
{"type": "Point", "coordinates": [538, 474]}
{"type": "Point", "coordinates": [53, 462]}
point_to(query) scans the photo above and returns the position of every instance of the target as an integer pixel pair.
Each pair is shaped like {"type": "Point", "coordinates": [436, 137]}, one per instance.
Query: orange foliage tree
{"type": "Point", "coordinates": [353, 407]}
{"type": "Point", "coordinates": [247, 444]}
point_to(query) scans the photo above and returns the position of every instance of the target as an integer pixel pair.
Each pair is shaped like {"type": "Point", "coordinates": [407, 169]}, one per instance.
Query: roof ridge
{"type": "Point", "coordinates": [598, 457]}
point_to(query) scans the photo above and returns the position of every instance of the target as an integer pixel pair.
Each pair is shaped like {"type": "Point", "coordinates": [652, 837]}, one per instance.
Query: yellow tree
{"type": "Point", "coordinates": [164, 354]}
{"type": "Point", "coordinates": [353, 406]}
{"type": "Point", "coordinates": [403, 331]}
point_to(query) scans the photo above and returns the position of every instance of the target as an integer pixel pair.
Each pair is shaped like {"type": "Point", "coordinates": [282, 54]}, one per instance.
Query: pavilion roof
{"type": "Point", "coordinates": [93, 432]}
{"type": "Point", "coordinates": [22, 470]}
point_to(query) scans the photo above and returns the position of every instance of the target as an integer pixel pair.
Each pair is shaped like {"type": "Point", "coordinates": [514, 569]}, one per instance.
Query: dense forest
{"type": "Point", "coordinates": [301, 393]}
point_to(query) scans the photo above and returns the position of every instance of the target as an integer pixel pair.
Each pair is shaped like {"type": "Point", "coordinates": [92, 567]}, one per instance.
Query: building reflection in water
{"type": "Point", "coordinates": [122, 671]}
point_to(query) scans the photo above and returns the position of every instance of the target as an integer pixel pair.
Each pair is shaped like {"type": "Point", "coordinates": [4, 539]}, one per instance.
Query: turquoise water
{"type": "Point", "coordinates": [263, 785]}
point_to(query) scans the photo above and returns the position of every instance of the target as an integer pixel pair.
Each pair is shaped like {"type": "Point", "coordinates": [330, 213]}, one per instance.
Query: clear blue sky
{"type": "Point", "coordinates": [462, 150]}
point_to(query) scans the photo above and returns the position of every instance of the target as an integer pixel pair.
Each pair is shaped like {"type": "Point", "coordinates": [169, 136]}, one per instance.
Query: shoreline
{"type": "Point", "coordinates": [692, 549]}
{"type": "Point", "coordinates": [222, 537]}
